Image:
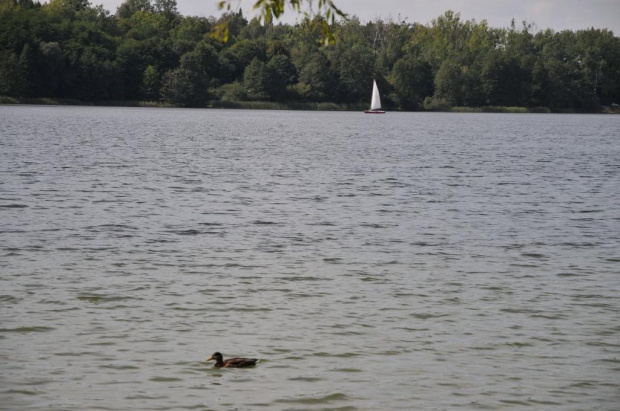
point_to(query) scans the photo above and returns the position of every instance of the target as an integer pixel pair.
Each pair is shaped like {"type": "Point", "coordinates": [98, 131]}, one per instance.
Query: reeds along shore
{"type": "Point", "coordinates": [266, 105]}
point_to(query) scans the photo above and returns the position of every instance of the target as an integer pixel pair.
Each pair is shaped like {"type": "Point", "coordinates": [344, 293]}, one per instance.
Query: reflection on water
{"type": "Point", "coordinates": [427, 261]}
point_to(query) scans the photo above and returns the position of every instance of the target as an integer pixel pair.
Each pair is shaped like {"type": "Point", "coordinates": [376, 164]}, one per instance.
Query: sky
{"type": "Point", "coordinates": [555, 14]}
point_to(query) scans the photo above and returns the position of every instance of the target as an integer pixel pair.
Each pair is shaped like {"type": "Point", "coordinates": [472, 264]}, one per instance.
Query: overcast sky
{"type": "Point", "coordinates": [555, 14]}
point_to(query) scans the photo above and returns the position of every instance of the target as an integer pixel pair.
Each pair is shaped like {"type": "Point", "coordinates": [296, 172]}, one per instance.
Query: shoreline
{"type": "Point", "coordinates": [305, 106]}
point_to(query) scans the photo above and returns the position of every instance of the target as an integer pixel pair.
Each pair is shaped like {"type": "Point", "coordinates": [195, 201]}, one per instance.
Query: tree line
{"type": "Point", "coordinates": [146, 50]}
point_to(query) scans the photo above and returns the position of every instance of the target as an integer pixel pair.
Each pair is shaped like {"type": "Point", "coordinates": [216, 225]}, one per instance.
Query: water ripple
{"type": "Point", "coordinates": [418, 260]}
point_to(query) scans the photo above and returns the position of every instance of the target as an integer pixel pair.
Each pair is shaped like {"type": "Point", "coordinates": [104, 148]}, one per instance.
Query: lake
{"type": "Point", "coordinates": [426, 261]}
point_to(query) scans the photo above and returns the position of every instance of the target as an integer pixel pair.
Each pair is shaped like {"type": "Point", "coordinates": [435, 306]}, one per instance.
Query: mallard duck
{"type": "Point", "coordinates": [232, 362]}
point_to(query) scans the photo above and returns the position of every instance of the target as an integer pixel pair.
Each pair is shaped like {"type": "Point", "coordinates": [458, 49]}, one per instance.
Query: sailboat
{"type": "Point", "coordinates": [375, 101]}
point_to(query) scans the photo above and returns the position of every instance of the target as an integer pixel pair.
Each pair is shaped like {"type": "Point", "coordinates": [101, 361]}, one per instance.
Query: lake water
{"type": "Point", "coordinates": [423, 261]}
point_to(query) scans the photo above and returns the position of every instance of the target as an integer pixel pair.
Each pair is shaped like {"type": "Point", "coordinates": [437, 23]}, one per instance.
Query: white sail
{"type": "Point", "coordinates": [375, 102]}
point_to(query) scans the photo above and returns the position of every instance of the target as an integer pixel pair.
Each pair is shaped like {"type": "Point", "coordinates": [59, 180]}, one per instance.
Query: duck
{"type": "Point", "coordinates": [232, 362]}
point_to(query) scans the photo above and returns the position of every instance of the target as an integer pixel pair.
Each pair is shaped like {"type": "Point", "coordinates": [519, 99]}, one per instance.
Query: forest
{"type": "Point", "coordinates": [147, 51]}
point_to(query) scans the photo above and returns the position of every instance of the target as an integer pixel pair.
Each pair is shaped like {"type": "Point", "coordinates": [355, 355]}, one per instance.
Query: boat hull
{"type": "Point", "coordinates": [374, 111]}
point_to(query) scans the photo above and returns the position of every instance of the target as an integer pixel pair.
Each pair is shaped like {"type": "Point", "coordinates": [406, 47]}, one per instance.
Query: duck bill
{"type": "Point", "coordinates": [210, 358]}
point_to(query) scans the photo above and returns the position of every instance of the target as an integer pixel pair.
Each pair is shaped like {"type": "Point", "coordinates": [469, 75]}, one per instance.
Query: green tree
{"type": "Point", "coordinates": [256, 81]}
{"type": "Point", "coordinates": [503, 80]}
{"type": "Point", "coordinates": [247, 50]}
{"type": "Point", "coordinates": [540, 86]}
{"type": "Point", "coordinates": [277, 48]}
{"type": "Point", "coordinates": [134, 56]}
{"type": "Point", "coordinates": [189, 32]}
{"type": "Point", "coordinates": [69, 6]}
{"type": "Point", "coordinates": [283, 68]}
{"type": "Point", "coordinates": [129, 7]}
{"type": "Point", "coordinates": [180, 89]}
{"type": "Point", "coordinates": [229, 26]}
{"type": "Point", "coordinates": [264, 81]}
{"type": "Point", "coordinates": [561, 64]}
{"type": "Point", "coordinates": [596, 52]}
{"type": "Point", "coordinates": [202, 60]}
{"type": "Point", "coordinates": [232, 92]}
{"type": "Point", "coordinates": [95, 78]}
{"type": "Point", "coordinates": [253, 30]}
{"type": "Point", "coordinates": [236, 58]}
{"type": "Point", "coordinates": [457, 84]}
{"type": "Point", "coordinates": [51, 70]}
{"type": "Point", "coordinates": [151, 84]}
{"type": "Point", "coordinates": [319, 78]}
{"type": "Point", "coordinates": [188, 85]}
{"type": "Point", "coordinates": [167, 8]}
{"type": "Point", "coordinates": [9, 74]}
{"type": "Point", "coordinates": [143, 25]}
{"type": "Point", "coordinates": [413, 82]}
{"type": "Point", "coordinates": [355, 71]}
{"type": "Point", "coordinates": [449, 83]}
{"type": "Point", "coordinates": [26, 67]}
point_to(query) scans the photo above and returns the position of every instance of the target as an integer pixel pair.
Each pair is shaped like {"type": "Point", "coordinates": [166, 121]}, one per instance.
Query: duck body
{"type": "Point", "coordinates": [232, 362]}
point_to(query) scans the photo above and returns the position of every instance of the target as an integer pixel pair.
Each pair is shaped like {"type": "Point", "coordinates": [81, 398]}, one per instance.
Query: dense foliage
{"type": "Point", "coordinates": [148, 51]}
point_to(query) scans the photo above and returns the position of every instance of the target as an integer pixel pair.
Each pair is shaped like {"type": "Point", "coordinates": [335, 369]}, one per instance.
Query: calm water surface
{"type": "Point", "coordinates": [406, 261]}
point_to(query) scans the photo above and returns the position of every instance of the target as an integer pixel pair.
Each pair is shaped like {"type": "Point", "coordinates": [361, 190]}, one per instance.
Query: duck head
{"type": "Point", "coordinates": [217, 357]}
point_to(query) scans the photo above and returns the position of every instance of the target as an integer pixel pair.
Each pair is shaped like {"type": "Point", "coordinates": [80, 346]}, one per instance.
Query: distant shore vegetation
{"type": "Point", "coordinates": [148, 54]}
